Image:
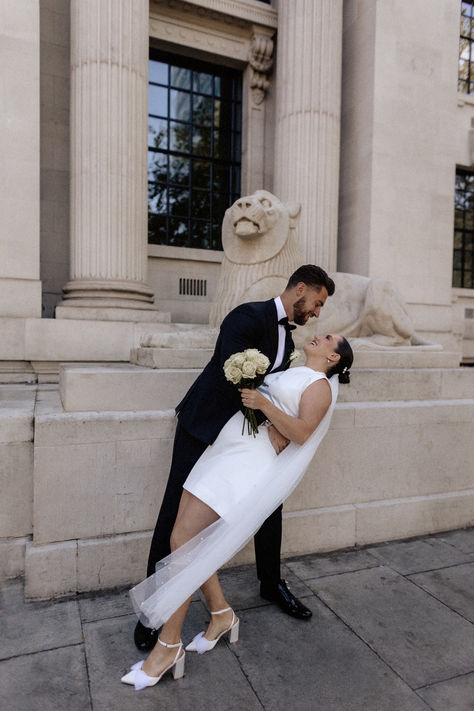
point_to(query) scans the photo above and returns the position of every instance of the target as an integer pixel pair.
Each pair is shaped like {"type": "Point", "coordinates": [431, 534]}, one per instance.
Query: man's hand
{"type": "Point", "coordinates": [278, 441]}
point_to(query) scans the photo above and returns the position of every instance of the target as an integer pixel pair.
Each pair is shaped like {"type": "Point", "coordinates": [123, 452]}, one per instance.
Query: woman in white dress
{"type": "Point", "coordinates": [234, 486]}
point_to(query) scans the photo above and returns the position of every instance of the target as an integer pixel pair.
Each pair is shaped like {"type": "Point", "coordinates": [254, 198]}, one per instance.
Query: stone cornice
{"type": "Point", "coordinates": [238, 10]}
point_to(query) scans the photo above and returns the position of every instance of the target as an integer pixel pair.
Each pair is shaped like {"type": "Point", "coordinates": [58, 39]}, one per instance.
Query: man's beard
{"type": "Point", "coordinates": [299, 313]}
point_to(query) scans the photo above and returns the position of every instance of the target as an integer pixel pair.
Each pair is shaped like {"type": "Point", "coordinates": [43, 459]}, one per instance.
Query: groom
{"type": "Point", "coordinates": [212, 401]}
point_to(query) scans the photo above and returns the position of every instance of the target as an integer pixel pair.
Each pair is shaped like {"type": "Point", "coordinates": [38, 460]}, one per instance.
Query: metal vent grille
{"type": "Point", "coordinates": [192, 287]}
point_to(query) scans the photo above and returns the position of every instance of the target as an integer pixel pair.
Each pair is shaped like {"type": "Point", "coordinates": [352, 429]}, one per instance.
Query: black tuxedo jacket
{"type": "Point", "coordinates": [212, 400]}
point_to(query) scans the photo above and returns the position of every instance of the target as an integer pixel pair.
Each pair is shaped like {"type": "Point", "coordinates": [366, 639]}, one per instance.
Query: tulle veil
{"type": "Point", "coordinates": [182, 572]}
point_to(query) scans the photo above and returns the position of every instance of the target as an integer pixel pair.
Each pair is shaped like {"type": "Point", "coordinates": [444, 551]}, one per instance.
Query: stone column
{"type": "Point", "coordinates": [20, 286]}
{"type": "Point", "coordinates": [308, 96]}
{"type": "Point", "coordinates": [109, 89]}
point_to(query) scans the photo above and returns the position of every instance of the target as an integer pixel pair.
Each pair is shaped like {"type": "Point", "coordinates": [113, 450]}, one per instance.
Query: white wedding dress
{"type": "Point", "coordinates": [244, 480]}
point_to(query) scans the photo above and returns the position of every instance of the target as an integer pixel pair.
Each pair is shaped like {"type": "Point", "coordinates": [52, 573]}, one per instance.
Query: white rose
{"type": "Point", "coordinates": [233, 374]}
{"type": "Point", "coordinates": [252, 353]}
{"type": "Point", "coordinates": [248, 369]}
{"type": "Point", "coordinates": [262, 363]}
{"type": "Point", "coordinates": [238, 360]}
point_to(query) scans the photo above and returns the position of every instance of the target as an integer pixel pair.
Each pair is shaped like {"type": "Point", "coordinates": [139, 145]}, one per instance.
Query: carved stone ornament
{"type": "Point", "coordinates": [260, 251]}
{"type": "Point", "coordinates": [261, 61]}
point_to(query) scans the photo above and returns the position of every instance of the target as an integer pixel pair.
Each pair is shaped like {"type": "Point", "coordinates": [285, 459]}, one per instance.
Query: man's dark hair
{"type": "Point", "coordinates": [312, 276]}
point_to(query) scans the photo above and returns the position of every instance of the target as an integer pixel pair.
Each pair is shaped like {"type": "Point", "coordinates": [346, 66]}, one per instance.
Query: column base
{"type": "Point", "coordinates": [83, 312]}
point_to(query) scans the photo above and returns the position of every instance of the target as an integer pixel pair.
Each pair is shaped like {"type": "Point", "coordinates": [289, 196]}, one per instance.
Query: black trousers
{"type": "Point", "coordinates": [186, 451]}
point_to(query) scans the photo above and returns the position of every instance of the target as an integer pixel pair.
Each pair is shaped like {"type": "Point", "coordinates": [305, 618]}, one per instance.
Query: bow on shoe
{"type": "Point", "coordinates": [141, 678]}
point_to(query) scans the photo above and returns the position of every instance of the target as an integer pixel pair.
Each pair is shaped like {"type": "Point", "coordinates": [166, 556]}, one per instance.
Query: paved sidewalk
{"type": "Point", "coordinates": [392, 629]}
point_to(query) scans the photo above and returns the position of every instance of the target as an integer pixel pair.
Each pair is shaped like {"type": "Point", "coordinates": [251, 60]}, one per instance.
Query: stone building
{"type": "Point", "coordinates": [360, 110]}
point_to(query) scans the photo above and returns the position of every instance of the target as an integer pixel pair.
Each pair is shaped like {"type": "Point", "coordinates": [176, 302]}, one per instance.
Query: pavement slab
{"type": "Point", "coordinates": [311, 566]}
{"type": "Point", "coordinates": [212, 680]}
{"type": "Point", "coordinates": [417, 636]}
{"type": "Point", "coordinates": [463, 540]}
{"type": "Point", "coordinates": [316, 666]}
{"type": "Point", "coordinates": [453, 695]}
{"type": "Point", "coordinates": [417, 556]}
{"type": "Point", "coordinates": [453, 586]}
{"type": "Point", "coordinates": [34, 627]}
{"type": "Point", "coordinates": [242, 588]}
{"type": "Point", "coordinates": [55, 680]}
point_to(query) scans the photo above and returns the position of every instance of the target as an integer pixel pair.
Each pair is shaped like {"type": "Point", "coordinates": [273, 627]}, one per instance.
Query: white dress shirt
{"type": "Point", "coordinates": [281, 313]}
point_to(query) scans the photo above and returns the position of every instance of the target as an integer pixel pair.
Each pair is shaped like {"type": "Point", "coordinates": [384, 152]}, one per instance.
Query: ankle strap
{"type": "Point", "coordinates": [170, 646]}
{"type": "Point", "coordinates": [219, 612]}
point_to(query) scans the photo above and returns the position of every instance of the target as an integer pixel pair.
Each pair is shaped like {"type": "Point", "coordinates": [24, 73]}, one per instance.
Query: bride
{"type": "Point", "coordinates": [233, 487]}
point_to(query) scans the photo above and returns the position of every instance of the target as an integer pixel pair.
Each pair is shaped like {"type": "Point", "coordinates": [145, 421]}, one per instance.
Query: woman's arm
{"type": "Point", "coordinates": [314, 404]}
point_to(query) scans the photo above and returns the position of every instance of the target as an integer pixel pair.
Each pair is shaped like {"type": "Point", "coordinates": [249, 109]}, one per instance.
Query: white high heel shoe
{"type": "Point", "coordinates": [200, 644]}
{"type": "Point", "coordinates": [139, 679]}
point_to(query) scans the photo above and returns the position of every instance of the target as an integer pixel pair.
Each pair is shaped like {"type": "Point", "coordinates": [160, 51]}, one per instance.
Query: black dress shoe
{"type": "Point", "coordinates": [282, 597]}
{"type": "Point", "coordinates": [144, 637]}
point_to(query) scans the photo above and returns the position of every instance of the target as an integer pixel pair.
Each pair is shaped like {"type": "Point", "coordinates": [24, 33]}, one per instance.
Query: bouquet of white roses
{"type": "Point", "coordinates": [247, 370]}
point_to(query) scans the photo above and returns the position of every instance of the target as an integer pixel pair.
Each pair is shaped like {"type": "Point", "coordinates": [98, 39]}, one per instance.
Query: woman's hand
{"type": "Point", "coordinates": [277, 440]}
{"type": "Point", "coordinates": [252, 398]}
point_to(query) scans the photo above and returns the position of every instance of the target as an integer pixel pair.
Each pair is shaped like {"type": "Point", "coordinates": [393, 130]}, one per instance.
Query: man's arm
{"type": "Point", "coordinates": [240, 329]}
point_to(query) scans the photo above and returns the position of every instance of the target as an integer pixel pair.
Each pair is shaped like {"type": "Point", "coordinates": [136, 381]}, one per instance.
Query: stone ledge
{"type": "Point", "coordinates": [125, 387]}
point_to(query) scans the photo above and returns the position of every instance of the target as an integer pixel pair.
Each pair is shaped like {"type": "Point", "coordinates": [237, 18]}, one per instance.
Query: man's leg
{"type": "Point", "coordinates": [267, 543]}
{"type": "Point", "coordinates": [186, 451]}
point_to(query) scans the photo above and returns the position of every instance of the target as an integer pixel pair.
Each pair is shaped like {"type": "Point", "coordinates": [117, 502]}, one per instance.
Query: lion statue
{"type": "Point", "coordinates": [260, 251]}
{"type": "Point", "coordinates": [371, 312]}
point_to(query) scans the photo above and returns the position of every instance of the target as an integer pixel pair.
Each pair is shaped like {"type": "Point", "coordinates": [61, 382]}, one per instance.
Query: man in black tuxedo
{"type": "Point", "coordinates": [212, 401]}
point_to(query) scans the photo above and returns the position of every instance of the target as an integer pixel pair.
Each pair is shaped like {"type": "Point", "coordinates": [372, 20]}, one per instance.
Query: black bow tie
{"type": "Point", "coordinates": [284, 322]}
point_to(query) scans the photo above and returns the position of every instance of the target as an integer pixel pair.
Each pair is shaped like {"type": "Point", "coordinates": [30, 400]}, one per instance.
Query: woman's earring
{"type": "Point", "coordinates": [329, 360]}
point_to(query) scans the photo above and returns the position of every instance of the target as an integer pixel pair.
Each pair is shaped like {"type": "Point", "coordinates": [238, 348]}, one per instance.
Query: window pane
{"type": "Point", "coordinates": [201, 234]}
{"type": "Point", "coordinates": [157, 100]}
{"type": "Point", "coordinates": [180, 105]}
{"type": "Point", "coordinates": [202, 141]}
{"type": "Point", "coordinates": [202, 110]}
{"type": "Point", "coordinates": [180, 77]}
{"type": "Point", "coordinates": [201, 204]}
{"type": "Point", "coordinates": [179, 170]}
{"type": "Point", "coordinates": [157, 229]}
{"type": "Point", "coordinates": [158, 72]}
{"type": "Point", "coordinates": [179, 137]}
{"type": "Point", "coordinates": [179, 201]}
{"type": "Point", "coordinates": [157, 166]}
{"type": "Point", "coordinates": [202, 83]}
{"type": "Point", "coordinates": [158, 133]}
{"type": "Point", "coordinates": [157, 199]}
{"type": "Point", "coordinates": [178, 232]}
{"type": "Point", "coordinates": [201, 173]}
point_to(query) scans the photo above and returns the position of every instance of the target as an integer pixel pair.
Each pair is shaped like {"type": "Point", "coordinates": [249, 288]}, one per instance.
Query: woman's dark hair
{"type": "Point", "coordinates": [312, 276]}
{"type": "Point", "coordinates": [344, 363]}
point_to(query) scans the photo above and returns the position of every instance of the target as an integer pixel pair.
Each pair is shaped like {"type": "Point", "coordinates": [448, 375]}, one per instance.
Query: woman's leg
{"type": "Point", "coordinates": [193, 516]}
{"type": "Point", "coordinates": [214, 595]}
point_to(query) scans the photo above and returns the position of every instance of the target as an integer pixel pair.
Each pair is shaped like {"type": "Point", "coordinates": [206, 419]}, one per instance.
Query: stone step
{"type": "Point", "coordinates": [125, 387]}
{"type": "Point", "coordinates": [160, 358]}
{"type": "Point", "coordinates": [197, 355]}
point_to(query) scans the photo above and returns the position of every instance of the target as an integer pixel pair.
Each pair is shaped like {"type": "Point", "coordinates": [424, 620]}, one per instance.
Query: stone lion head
{"type": "Point", "coordinates": [256, 227]}
{"type": "Point", "coordinates": [255, 214]}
